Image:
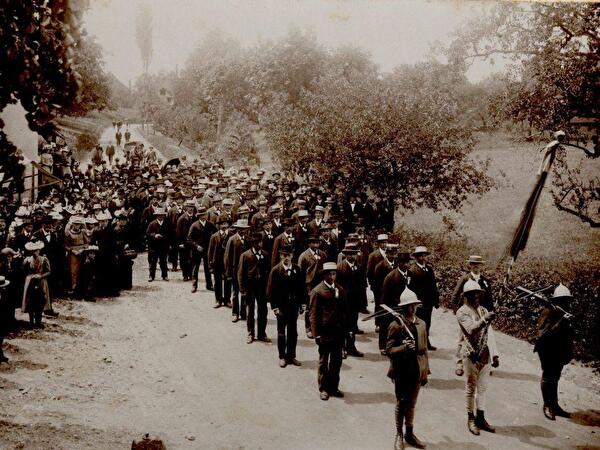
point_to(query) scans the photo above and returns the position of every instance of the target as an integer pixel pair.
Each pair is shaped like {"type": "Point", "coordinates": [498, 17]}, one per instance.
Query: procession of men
{"type": "Point", "coordinates": [257, 241]}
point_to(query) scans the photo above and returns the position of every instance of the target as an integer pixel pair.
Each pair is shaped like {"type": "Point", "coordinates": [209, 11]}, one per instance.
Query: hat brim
{"type": "Point", "coordinates": [483, 261]}
{"type": "Point", "coordinates": [6, 283]}
{"type": "Point", "coordinates": [410, 302]}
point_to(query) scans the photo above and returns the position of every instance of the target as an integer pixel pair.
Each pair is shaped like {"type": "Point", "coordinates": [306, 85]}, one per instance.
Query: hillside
{"type": "Point", "coordinates": [487, 222]}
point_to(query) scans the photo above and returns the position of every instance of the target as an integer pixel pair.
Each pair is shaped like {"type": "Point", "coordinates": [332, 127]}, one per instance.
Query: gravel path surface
{"type": "Point", "coordinates": [161, 360]}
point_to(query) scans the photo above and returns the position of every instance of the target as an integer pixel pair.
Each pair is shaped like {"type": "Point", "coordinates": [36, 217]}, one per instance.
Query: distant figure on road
{"type": "Point", "coordinates": [110, 152]}
{"type": "Point", "coordinates": [127, 136]}
{"type": "Point", "coordinates": [97, 156]}
{"type": "Point", "coordinates": [554, 345]}
{"type": "Point", "coordinates": [118, 137]}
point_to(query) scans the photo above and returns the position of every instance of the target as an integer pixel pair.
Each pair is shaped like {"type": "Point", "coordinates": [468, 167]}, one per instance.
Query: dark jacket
{"type": "Point", "coordinates": [216, 252]}
{"type": "Point", "coordinates": [393, 286]}
{"type": "Point", "coordinates": [277, 243]}
{"type": "Point", "coordinates": [375, 257]}
{"type": "Point", "coordinates": [554, 337]}
{"type": "Point", "coordinates": [424, 284]}
{"type": "Point", "coordinates": [199, 235]}
{"type": "Point", "coordinates": [253, 272]}
{"type": "Point", "coordinates": [327, 313]}
{"type": "Point", "coordinates": [351, 280]}
{"type": "Point", "coordinates": [155, 243]}
{"type": "Point", "coordinates": [407, 366]}
{"type": "Point", "coordinates": [311, 264]}
{"type": "Point", "coordinates": [286, 292]}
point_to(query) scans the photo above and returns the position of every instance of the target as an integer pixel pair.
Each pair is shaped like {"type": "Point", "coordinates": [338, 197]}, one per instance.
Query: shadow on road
{"type": "Point", "coordinates": [448, 444]}
{"type": "Point", "coordinates": [362, 398]}
{"type": "Point", "coordinates": [525, 434]}
{"type": "Point", "coordinates": [445, 385]}
{"type": "Point", "coordinates": [515, 376]}
{"type": "Point", "coordinates": [441, 353]}
{"type": "Point", "coordinates": [590, 417]}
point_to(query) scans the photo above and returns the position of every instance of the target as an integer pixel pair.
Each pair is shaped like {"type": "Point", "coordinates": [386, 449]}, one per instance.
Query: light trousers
{"type": "Point", "coordinates": [476, 385]}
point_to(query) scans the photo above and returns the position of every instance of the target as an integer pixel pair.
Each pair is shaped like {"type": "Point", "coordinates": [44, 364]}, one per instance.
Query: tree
{"type": "Point", "coordinates": [94, 91]}
{"type": "Point", "coordinates": [553, 79]}
{"type": "Point", "coordinates": [379, 134]}
{"type": "Point", "coordinates": [143, 33]}
{"type": "Point", "coordinates": [555, 48]}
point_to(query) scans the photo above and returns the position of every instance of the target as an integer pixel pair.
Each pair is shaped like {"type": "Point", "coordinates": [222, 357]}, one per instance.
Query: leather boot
{"type": "Point", "coordinates": [399, 416]}
{"type": "Point", "coordinates": [482, 423]}
{"type": "Point", "coordinates": [411, 439]}
{"type": "Point", "coordinates": [399, 441]}
{"type": "Point", "coordinates": [472, 425]}
{"type": "Point", "coordinates": [549, 412]}
{"type": "Point", "coordinates": [558, 411]}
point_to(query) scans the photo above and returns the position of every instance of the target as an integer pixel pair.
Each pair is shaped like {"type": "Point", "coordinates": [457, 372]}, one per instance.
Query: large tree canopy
{"type": "Point", "coordinates": [556, 51]}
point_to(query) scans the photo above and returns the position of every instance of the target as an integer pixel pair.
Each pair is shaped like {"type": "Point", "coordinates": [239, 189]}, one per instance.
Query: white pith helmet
{"type": "Point", "coordinates": [561, 291]}
{"type": "Point", "coordinates": [470, 286]}
{"type": "Point", "coordinates": [408, 297]}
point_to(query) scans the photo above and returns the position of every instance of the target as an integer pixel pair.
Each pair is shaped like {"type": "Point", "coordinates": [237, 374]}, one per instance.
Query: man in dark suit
{"type": "Point", "coordinates": [327, 319]}
{"type": "Point", "coordinates": [285, 238]}
{"type": "Point", "coordinates": [287, 294]}
{"type": "Point", "coordinates": [424, 284]}
{"type": "Point", "coordinates": [381, 271]}
{"type": "Point", "coordinates": [199, 239]}
{"type": "Point", "coordinates": [393, 285]}
{"type": "Point", "coordinates": [181, 232]}
{"type": "Point", "coordinates": [268, 239]}
{"type": "Point", "coordinates": [314, 225]}
{"type": "Point", "coordinates": [375, 257]}
{"type": "Point", "coordinates": [236, 245]}
{"type": "Point", "coordinates": [311, 262]}
{"type": "Point", "coordinates": [301, 233]}
{"type": "Point", "coordinates": [350, 278]}
{"type": "Point", "coordinates": [328, 245]}
{"type": "Point", "coordinates": [252, 277]}
{"type": "Point", "coordinates": [216, 252]}
{"type": "Point", "coordinates": [158, 235]}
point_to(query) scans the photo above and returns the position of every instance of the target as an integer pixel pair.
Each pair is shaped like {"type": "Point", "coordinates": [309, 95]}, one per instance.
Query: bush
{"type": "Point", "coordinates": [519, 317]}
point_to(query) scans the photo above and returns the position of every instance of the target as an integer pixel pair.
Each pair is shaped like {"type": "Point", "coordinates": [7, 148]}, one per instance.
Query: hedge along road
{"type": "Point", "coordinates": [161, 360]}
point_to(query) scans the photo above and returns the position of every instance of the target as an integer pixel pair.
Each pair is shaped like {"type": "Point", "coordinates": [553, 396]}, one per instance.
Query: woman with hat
{"type": "Point", "coordinates": [554, 346]}
{"type": "Point", "coordinates": [406, 346]}
{"type": "Point", "coordinates": [478, 351]}
{"type": "Point", "coordinates": [7, 313]}
{"type": "Point", "coordinates": [36, 294]}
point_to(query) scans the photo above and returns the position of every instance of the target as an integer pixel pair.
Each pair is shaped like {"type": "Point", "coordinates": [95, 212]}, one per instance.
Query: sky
{"type": "Point", "coordinates": [393, 31]}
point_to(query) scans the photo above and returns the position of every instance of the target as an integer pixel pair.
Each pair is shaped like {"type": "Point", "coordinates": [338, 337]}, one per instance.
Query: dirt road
{"type": "Point", "coordinates": [161, 360]}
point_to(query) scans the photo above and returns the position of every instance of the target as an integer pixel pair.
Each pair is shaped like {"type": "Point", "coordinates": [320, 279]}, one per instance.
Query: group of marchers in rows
{"type": "Point", "coordinates": [263, 240]}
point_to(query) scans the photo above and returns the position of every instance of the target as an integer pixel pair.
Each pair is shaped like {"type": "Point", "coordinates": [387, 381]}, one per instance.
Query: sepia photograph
{"type": "Point", "coordinates": [299, 224]}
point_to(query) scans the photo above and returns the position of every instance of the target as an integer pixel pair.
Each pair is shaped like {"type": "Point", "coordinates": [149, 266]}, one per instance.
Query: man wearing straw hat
{"type": "Point", "coordinates": [424, 284]}
{"type": "Point", "coordinates": [554, 346]}
{"type": "Point", "coordinates": [327, 320]}
{"type": "Point", "coordinates": [406, 346]}
{"type": "Point", "coordinates": [475, 264]}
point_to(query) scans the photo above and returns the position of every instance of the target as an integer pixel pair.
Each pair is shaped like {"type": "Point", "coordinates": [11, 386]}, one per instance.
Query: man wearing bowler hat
{"type": "Point", "coordinates": [216, 252]}
{"type": "Point", "coordinates": [288, 297]}
{"type": "Point", "coordinates": [198, 239]}
{"type": "Point", "coordinates": [236, 245]}
{"type": "Point", "coordinates": [157, 235]}
{"type": "Point", "coordinates": [327, 319]}
{"type": "Point", "coordinates": [424, 284]}
{"type": "Point", "coordinates": [350, 278]}
{"type": "Point", "coordinates": [311, 262]}
{"type": "Point", "coordinates": [381, 271]}
{"type": "Point", "coordinates": [184, 222]}
{"type": "Point", "coordinates": [252, 275]}
{"type": "Point", "coordinates": [393, 286]}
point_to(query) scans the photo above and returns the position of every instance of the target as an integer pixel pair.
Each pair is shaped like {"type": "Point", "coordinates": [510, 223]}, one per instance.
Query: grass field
{"type": "Point", "coordinates": [487, 222]}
